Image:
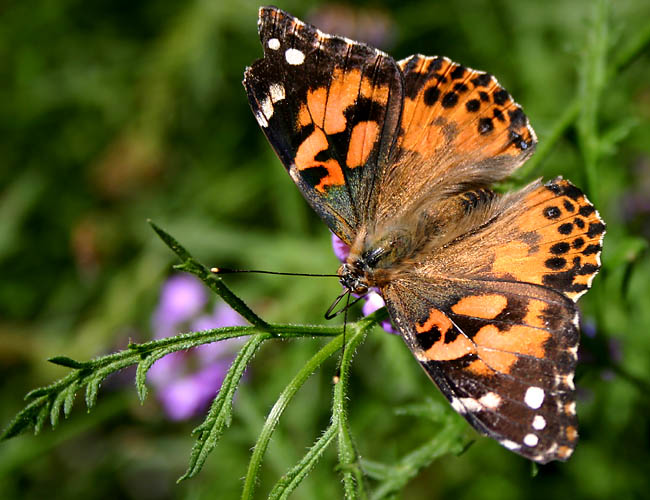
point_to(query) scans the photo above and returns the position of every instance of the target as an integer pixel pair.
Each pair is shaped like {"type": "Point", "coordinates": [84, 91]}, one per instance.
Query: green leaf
{"type": "Point", "coordinates": [68, 400]}
{"type": "Point", "coordinates": [429, 408]}
{"type": "Point", "coordinates": [55, 410]}
{"type": "Point", "coordinates": [67, 362]}
{"type": "Point", "coordinates": [214, 282]}
{"type": "Point", "coordinates": [25, 419]}
{"type": "Point", "coordinates": [450, 440]}
{"type": "Point", "coordinates": [349, 465]}
{"type": "Point", "coordinates": [141, 373]}
{"type": "Point", "coordinates": [290, 481]}
{"type": "Point", "coordinates": [171, 242]}
{"type": "Point", "coordinates": [278, 408]}
{"type": "Point", "coordinates": [219, 416]}
{"type": "Point", "coordinates": [92, 389]}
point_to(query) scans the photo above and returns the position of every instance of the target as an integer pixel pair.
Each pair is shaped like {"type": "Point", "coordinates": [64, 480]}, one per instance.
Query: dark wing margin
{"type": "Point", "coordinates": [503, 354]}
{"type": "Point", "coordinates": [330, 107]}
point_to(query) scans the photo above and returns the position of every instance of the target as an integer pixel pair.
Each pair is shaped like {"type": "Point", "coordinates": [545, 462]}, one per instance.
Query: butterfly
{"type": "Point", "coordinates": [397, 158]}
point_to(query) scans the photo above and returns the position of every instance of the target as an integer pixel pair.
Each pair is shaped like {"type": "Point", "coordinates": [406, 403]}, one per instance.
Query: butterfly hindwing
{"type": "Point", "coordinates": [557, 237]}
{"type": "Point", "coordinates": [504, 356]}
{"type": "Point", "coordinates": [330, 107]}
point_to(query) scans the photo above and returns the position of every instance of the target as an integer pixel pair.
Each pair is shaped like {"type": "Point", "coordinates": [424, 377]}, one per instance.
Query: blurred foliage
{"type": "Point", "coordinates": [115, 112]}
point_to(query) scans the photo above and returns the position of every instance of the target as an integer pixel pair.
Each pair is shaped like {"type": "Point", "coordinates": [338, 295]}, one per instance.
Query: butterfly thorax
{"type": "Point", "coordinates": [375, 257]}
{"type": "Point", "coordinates": [380, 255]}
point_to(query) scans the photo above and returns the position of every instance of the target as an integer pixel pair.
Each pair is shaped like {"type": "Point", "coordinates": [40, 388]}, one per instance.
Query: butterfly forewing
{"type": "Point", "coordinates": [330, 107]}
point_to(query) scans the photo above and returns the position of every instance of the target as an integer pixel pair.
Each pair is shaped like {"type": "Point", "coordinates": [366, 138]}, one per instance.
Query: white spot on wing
{"type": "Point", "coordinates": [531, 440]}
{"type": "Point", "coordinates": [261, 119]}
{"type": "Point", "coordinates": [539, 422]}
{"type": "Point", "coordinates": [471, 404]}
{"type": "Point", "coordinates": [273, 43]}
{"type": "Point", "coordinates": [511, 445]}
{"type": "Point", "coordinates": [456, 405]}
{"type": "Point", "coordinates": [534, 397]}
{"type": "Point", "coordinates": [568, 381]}
{"type": "Point", "coordinates": [322, 35]}
{"type": "Point", "coordinates": [267, 108]}
{"type": "Point", "coordinates": [571, 408]}
{"type": "Point", "coordinates": [419, 355]}
{"type": "Point", "coordinates": [276, 90]}
{"type": "Point", "coordinates": [491, 400]}
{"type": "Point", "coordinates": [294, 57]}
{"type": "Point", "coordinates": [293, 172]}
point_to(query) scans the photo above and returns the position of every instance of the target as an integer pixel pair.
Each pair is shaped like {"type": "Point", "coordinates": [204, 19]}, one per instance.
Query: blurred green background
{"type": "Point", "coordinates": [113, 112]}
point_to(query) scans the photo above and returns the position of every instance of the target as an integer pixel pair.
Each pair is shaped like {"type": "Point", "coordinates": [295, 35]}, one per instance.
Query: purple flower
{"type": "Point", "coordinates": [373, 299]}
{"type": "Point", "coordinates": [187, 381]}
{"type": "Point", "coordinates": [181, 298]}
{"type": "Point", "coordinates": [341, 249]}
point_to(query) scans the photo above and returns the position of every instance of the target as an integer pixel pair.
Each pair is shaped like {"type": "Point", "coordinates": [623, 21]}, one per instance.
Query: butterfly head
{"type": "Point", "coordinates": [353, 278]}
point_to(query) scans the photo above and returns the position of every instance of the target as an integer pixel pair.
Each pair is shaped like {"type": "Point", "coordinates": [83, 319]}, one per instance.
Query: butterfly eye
{"type": "Point", "coordinates": [371, 257]}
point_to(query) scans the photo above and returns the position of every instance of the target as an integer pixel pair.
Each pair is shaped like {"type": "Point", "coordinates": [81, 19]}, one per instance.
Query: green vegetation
{"type": "Point", "coordinates": [118, 112]}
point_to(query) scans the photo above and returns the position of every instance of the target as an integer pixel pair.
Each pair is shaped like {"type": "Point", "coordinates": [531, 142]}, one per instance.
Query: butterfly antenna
{"type": "Point", "coordinates": [225, 270]}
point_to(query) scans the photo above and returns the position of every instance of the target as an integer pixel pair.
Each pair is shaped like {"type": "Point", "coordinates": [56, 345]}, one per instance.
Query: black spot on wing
{"type": "Point", "coordinates": [473, 105]}
{"type": "Point", "coordinates": [595, 228]}
{"type": "Point", "coordinates": [501, 96]}
{"type": "Point", "coordinates": [517, 118]}
{"type": "Point", "coordinates": [485, 126]}
{"type": "Point", "coordinates": [577, 243]}
{"type": "Point", "coordinates": [560, 248]}
{"type": "Point", "coordinates": [555, 263]}
{"type": "Point", "coordinates": [458, 73]}
{"type": "Point", "coordinates": [591, 249]}
{"type": "Point", "coordinates": [431, 96]}
{"type": "Point", "coordinates": [552, 212]}
{"type": "Point", "coordinates": [568, 206]}
{"type": "Point", "coordinates": [586, 210]}
{"type": "Point", "coordinates": [426, 339]}
{"type": "Point", "coordinates": [482, 80]}
{"type": "Point", "coordinates": [449, 100]}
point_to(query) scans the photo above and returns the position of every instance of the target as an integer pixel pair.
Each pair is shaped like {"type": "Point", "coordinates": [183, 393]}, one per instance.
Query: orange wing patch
{"type": "Point", "coordinates": [499, 350]}
{"type": "Point", "coordinates": [556, 242]}
{"type": "Point", "coordinates": [325, 110]}
{"type": "Point", "coordinates": [362, 140]}
{"type": "Point", "coordinates": [439, 340]}
{"type": "Point", "coordinates": [496, 349]}
{"type": "Point", "coordinates": [481, 306]}
{"type": "Point", "coordinates": [306, 159]}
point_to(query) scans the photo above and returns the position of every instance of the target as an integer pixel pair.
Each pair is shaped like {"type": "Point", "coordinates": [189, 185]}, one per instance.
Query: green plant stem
{"type": "Point", "coordinates": [214, 282]}
{"type": "Point", "coordinates": [349, 465]}
{"type": "Point", "coordinates": [592, 83]}
{"type": "Point", "coordinates": [398, 475]}
{"type": "Point", "coordinates": [624, 57]}
{"type": "Point", "coordinates": [290, 481]}
{"type": "Point", "coordinates": [278, 408]}
{"type": "Point", "coordinates": [47, 401]}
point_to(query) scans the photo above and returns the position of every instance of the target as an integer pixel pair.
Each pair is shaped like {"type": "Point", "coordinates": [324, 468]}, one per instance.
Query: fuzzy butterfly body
{"type": "Point", "coordinates": [397, 157]}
